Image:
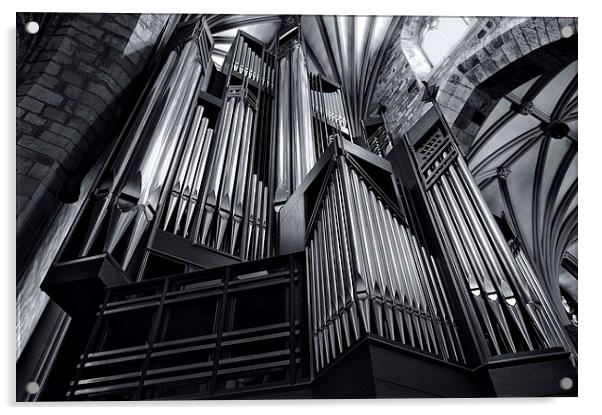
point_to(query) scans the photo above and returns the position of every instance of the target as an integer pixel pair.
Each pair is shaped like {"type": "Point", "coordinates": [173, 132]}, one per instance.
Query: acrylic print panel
{"type": "Point", "coordinates": [295, 207]}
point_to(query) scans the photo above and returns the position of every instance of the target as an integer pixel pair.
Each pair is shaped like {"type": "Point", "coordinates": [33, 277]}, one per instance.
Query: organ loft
{"type": "Point", "coordinates": [294, 207]}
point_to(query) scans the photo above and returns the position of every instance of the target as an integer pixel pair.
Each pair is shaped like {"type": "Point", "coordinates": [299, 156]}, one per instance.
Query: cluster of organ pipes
{"type": "Point", "coordinates": [218, 197]}
{"type": "Point", "coordinates": [380, 142]}
{"type": "Point", "coordinates": [224, 196]}
{"type": "Point", "coordinates": [514, 313]}
{"type": "Point", "coordinates": [130, 191]}
{"type": "Point", "coordinates": [250, 64]}
{"type": "Point", "coordinates": [326, 125]}
{"type": "Point", "coordinates": [328, 104]}
{"type": "Point", "coordinates": [355, 289]}
{"type": "Point", "coordinates": [295, 144]}
{"type": "Point", "coordinates": [186, 187]}
{"type": "Point", "coordinates": [367, 271]}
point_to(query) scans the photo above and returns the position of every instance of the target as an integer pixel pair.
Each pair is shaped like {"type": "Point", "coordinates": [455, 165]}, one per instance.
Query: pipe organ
{"type": "Point", "coordinates": [129, 194]}
{"type": "Point", "coordinates": [295, 147]}
{"type": "Point", "coordinates": [246, 62]}
{"type": "Point", "coordinates": [194, 166]}
{"type": "Point", "coordinates": [377, 136]}
{"type": "Point", "coordinates": [328, 111]}
{"type": "Point", "coordinates": [355, 289]}
{"type": "Point", "coordinates": [222, 169]}
{"type": "Point", "coordinates": [509, 307]}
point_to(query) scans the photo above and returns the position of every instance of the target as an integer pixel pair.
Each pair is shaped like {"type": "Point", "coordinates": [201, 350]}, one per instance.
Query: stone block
{"type": "Point", "coordinates": [64, 131]}
{"type": "Point", "coordinates": [101, 91]}
{"type": "Point", "coordinates": [34, 119]}
{"type": "Point", "coordinates": [55, 139]}
{"type": "Point", "coordinates": [24, 165]}
{"type": "Point", "coordinates": [540, 28]}
{"type": "Point", "coordinates": [55, 114]}
{"type": "Point", "coordinates": [30, 104]}
{"type": "Point", "coordinates": [552, 28]}
{"type": "Point", "coordinates": [26, 186]}
{"type": "Point", "coordinates": [530, 35]}
{"type": "Point", "coordinates": [45, 95]}
{"type": "Point", "coordinates": [73, 92]}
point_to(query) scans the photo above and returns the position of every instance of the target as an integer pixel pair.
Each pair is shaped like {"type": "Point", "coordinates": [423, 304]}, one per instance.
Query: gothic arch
{"type": "Point", "coordinates": [524, 52]}
{"type": "Point", "coordinates": [410, 39]}
{"type": "Point", "coordinates": [507, 60]}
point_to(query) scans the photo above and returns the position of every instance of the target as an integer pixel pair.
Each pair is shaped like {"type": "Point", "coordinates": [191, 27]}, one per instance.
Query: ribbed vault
{"type": "Point", "coordinates": [346, 49]}
{"type": "Point", "coordinates": [525, 161]}
{"type": "Point", "coordinates": [522, 169]}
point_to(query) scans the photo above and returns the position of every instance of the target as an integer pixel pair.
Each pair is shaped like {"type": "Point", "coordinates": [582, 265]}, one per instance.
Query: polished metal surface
{"type": "Point", "coordinates": [509, 302]}
{"type": "Point", "coordinates": [346, 49]}
{"type": "Point", "coordinates": [531, 177]}
{"type": "Point", "coordinates": [356, 289]}
{"type": "Point", "coordinates": [215, 170]}
{"type": "Point", "coordinates": [139, 173]}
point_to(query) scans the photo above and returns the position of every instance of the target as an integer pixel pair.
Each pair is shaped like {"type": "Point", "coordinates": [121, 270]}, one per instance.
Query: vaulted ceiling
{"type": "Point", "coordinates": [525, 162]}
{"type": "Point", "coordinates": [539, 197]}
{"type": "Point", "coordinates": [345, 49]}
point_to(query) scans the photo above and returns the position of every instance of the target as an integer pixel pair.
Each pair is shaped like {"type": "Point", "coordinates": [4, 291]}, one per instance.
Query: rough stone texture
{"type": "Point", "coordinates": [70, 96]}
{"type": "Point", "coordinates": [397, 88]}
{"type": "Point", "coordinates": [411, 35]}
{"type": "Point", "coordinates": [496, 55]}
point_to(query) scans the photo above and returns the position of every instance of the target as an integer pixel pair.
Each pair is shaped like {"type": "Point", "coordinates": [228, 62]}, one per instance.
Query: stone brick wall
{"type": "Point", "coordinates": [70, 99]}
{"type": "Point", "coordinates": [495, 56]}
{"type": "Point", "coordinates": [397, 88]}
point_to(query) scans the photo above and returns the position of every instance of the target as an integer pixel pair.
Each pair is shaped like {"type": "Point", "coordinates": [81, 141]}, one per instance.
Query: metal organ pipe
{"type": "Point", "coordinates": [361, 285]}
{"type": "Point", "coordinates": [295, 147]}
{"type": "Point", "coordinates": [241, 179]}
{"type": "Point", "coordinates": [104, 194]}
{"type": "Point", "coordinates": [528, 287]}
{"type": "Point", "coordinates": [308, 155]}
{"type": "Point", "coordinates": [329, 118]}
{"type": "Point", "coordinates": [139, 196]}
{"type": "Point", "coordinates": [178, 186]}
{"type": "Point", "coordinates": [184, 188]}
{"type": "Point", "coordinates": [482, 289]}
{"type": "Point", "coordinates": [283, 186]}
{"type": "Point", "coordinates": [295, 157]}
{"type": "Point", "coordinates": [251, 220]}
{"type": "Point", "coordinates": [210, 192]}
{"type": "Point", "coordinates": [225, 191]}
{"type": "Point", "coordinates": [354, 288]}
{"type": "Point", "coordinates": [189, 204]}
{"type": "Point", "coordinates": [503, 290]}
{"type": "Point", "coordinates": [510, 307]}
{"type": "Point", "coordinates": [217, 181]}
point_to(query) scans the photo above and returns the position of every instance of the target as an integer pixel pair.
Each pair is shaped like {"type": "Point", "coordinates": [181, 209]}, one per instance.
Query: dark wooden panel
{"type": "Point", "coordinates": [77, 286]}
{"type": "Point", "coordinates": [182, 249]}
{"type": "Point", "coordinates": [537, 374]}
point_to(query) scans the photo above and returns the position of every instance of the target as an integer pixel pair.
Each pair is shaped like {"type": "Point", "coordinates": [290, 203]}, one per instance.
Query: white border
{"type": "Point", "coordinates": [590, 200]}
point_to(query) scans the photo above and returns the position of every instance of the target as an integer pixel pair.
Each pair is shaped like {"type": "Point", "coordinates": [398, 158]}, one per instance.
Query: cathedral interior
{"type": "Point", "coordinates": [295, 206]}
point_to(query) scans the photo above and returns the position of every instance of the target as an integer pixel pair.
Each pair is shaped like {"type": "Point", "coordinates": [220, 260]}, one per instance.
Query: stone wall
{"type": "Point", "coordinates": [467, 93]}
{"type": "Point", "coordinates": [70, 99]}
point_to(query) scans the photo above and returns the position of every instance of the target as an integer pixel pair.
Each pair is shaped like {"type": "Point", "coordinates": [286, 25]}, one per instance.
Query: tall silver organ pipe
{"type": "Point", "coordinates": [251, 64]}
{"type": "Point", "coordinates": [304, 155]}
{"type": "Point", "coordinates": [356, 289]}
{"type": "Point", "coordinates": [104, 193]}
{"type": "Point", "coordinates": [512, 309]}
{"type": "Point", "coordinates": [145, 182]}
{"type": "Point", "coordinates": [295, 148]}
{"type": "Point", "coordinates": [283, 187]}
{"type": "Point", "coordinates": [224, 195]}
{"type": "Point", "coordinates": [190, 172]}
{"type": "Point", "coordinates": [328, 113]}
{"type": "Point", "coordinates": [140, 170]}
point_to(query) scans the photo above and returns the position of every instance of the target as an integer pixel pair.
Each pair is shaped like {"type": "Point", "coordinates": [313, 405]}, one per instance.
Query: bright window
{"type": "Point", "coordinates": [441, 36]}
